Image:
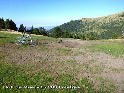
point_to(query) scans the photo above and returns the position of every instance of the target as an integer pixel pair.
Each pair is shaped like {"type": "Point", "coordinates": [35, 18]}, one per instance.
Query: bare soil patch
{"type": "Point", "coordinates": [80, 43]}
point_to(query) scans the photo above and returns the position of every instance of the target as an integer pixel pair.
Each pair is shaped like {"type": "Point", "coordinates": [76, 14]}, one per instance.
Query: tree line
{"type": "Point", "coordinates": [7, 24]}
{"type": "Point", "coordinates": [32, 30]}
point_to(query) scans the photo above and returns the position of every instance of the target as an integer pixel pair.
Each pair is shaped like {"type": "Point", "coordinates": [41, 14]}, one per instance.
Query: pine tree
{"type": "Point", "coordinates": [7, 24]}
{"type": "Point", "coordinates": [57, 32]}
{"type": "Point", "coordinates": [2, 23]}
{"type": "Point", "coordinates": [36, 31]}
{"type": "Point", "coordinates": [12, 25]}
{"type": "Point", "coordinates": [42, 31]}
{"type": "Point", "coordinates": [21, 28]}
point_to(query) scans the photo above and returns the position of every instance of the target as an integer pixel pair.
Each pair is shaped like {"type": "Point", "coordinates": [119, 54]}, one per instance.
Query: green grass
{"type": "Point", "coordinates": [105, 85]}
{"type": "Point", "coordinates": [19, 76]}
{"type": "Point", "coordinates": [115, 70]}
{"type": "Point", "coordinates": [7, 38]}
{"type": "Point", "coordinates": [112, 49]}
{"type": "Point", "coordinates": [11, 38]}
{"type": "Point", "coordinates": [88, 86]}
{"type": "Point", "coordinates": [16, 76]}
{"type": "Point", "coordinates": [44, 37]}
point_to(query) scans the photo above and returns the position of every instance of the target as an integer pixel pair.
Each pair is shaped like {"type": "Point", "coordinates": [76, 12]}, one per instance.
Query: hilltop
{"type": "Point", "coordinates": [105, 27]}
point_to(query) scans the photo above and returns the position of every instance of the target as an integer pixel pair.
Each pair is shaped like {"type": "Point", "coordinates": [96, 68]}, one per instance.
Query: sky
{"type": "Point", "coordinates": [56, 12]}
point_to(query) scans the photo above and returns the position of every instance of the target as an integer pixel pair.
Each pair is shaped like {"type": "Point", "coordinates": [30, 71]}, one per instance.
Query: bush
{"type": "Point", "coordinates": [115, 36]}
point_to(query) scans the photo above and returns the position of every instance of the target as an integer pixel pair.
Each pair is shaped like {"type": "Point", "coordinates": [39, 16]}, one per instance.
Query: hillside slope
{"type": "Point", "coordinates": [104, 27]}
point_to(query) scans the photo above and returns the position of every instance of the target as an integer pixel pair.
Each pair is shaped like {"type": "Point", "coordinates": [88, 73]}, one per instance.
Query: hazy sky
{"type": "Point", "coordinates": [56, 12]}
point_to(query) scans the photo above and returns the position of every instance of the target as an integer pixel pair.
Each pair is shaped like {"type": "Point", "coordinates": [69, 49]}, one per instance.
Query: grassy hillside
{"type": "Point", "coordinates": [86, 66]}
{"type": "Point", "coordinates": [103, 27]}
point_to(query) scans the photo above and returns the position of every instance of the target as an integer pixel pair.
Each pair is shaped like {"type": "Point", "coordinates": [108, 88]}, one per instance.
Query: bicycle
{"type": "Point", "coordinates": [26, 40]}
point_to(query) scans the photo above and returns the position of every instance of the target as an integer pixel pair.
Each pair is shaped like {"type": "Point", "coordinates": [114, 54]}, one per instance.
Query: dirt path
{"type": "Point", "coordinates": [77, 43]}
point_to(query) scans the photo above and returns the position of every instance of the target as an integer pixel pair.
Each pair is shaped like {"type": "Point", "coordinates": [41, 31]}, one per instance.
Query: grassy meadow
{"type": "Point", "coordinates": [67, 71]}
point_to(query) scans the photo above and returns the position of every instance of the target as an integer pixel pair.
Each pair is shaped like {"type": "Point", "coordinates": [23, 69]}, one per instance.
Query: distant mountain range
{"type": "Point", "coordinates": [104, 26]}
{"type": "Point", "coordinates": [46, 27]}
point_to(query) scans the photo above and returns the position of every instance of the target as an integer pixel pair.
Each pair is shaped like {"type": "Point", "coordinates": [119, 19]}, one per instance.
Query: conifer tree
{"type": "Point", "coordinates": [21, 28]}
{"type": "Point", "coordinates": [12, 25]}
{"type": "Point", "coordinates": [2, 23]}
{"type": "Point", "coordinates": [57, 32]}
{"type": "Point", "coordinates": [7, 24]}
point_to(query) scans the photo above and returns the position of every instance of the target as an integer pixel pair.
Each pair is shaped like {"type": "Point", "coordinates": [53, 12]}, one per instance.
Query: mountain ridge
{"type": "Point", "coordinates": [104, 26]}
